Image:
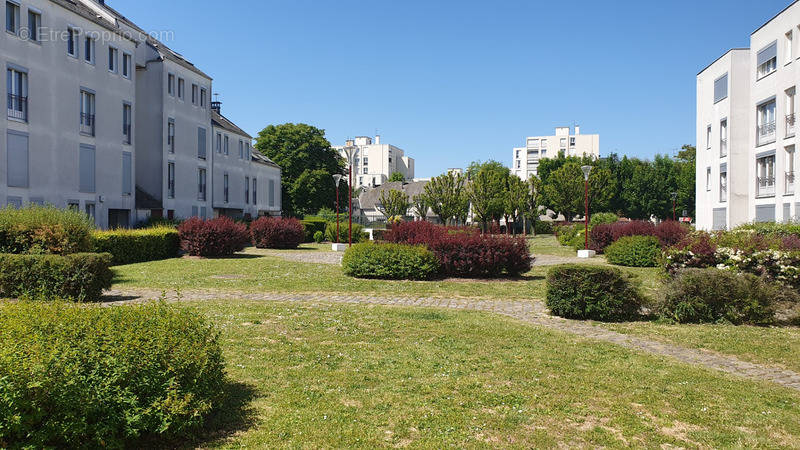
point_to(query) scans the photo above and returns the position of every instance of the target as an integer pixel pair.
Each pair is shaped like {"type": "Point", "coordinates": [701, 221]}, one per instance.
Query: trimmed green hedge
{"type": "Point", "coordinates": [634, 251]}
{"type": "Point", "coordinates": [135, 246]}
{"type": "Point", "coordinates": [358, 233]}
{"type": "Point", "coordinates": [592, 293]}
{"type": "Point", "coordinates": [104, 377]}
{"type": "Point", "coordinates": [44, 230]}
{"type": "Point", "coordinates": [390, 261]}
{"type": "Point", "coordinates": [312, 225]}
{"type": "Point", "coordinates": [81, 276]}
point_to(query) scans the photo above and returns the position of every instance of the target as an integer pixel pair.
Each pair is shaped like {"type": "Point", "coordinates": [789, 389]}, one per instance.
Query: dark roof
{"type": "Point", "coordinates": [87, 13]}
{"type": "Point", "coordinates": [218, 120]}
{"type": "Point", "coordinates": [370, 197]}
{"type": "Point", "coordinates": [256, 156]}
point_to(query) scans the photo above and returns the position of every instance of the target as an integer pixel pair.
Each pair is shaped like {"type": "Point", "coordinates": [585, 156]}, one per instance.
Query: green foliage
{"type": "Point", "coordinates": [79, 276]}
{"type": "Point", "coordinates": [713, 295]}
{"type": "Point", "coordinates": [307, 164]}
{"type": "Point", "coordinates": [772, 228]}
{"type": "Point", "coordinates": [602, 218]}
{"type": "Point", "coordinates": [592, 293]}
{"type": "Point", "coordinates": [543, 227]}
{"type": "Point", "coordinates": [447, 197]}
{"type": "Point", "coordinates": [648, 190]}
{"type": "Point", "coordinates": [393, 203]}
{"type": "Point", "coordinates": [420, 205]}
{"type": "Point", "coordinates": [565, 190]}
{"type": "Point", "coordinates": [487, 190]}
{"type": "Point", "coordinates": [516, 199]}
{"type": "Point", "coordinates": [103, 377]}
{"type": "Point", "coordinates": [634, 251]}
{"type": "Point", "coordinates": [327, 214]}
{"type": "Point", "coordinates": [397, 177]}
{"type": "Point", "coordinates": [390, 261]}
{"type": "Point", "coordinates": [572, 236]}
{"type": "Point", "coordinates": [319, 236]}
{"type": "Point", "coordinates": [313, 224]}
{"type": "Point", "coordinates": [358, 233]}
{"type": "Point", "coordinates": [135, 246]}
{"type": "Point", "coordinates": [44, 230]}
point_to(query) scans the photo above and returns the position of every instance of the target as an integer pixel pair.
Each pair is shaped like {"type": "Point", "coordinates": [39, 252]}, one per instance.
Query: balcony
{"type": "Point", "coordinates": [126, 133]}
{"type": "Point", "coordinates": [17, 107]}
{"type": "Point", "coordinates": [765, 186]}
{"type": "Point", "coordinates": [765, 133]}
{"type": "Point", "coordinates": [790, 182]}
{"type": "Point", "coordinates": [87, 124]}
{"type": "Point", "coordinates": [790, 130]}
{"type": "Point", "coordinates": [723, 147]}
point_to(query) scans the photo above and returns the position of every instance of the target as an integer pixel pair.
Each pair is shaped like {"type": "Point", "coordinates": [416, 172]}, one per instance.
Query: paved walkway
{"type": "Point", "coordinates": [529, 312]}
{"type": "Point", "coordinates": [335, 258]}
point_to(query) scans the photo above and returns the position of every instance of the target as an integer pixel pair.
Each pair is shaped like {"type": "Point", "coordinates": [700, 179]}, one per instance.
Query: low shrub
{"type": "Point", "coordinates": [713, 295]}
{"type": "Point", "coordinates": [478, 256]}
{"type": "Point", "coordinates": [344, 236]}
{"type": "Point", "coordinates": [274, 232]}
{"type": "Point", "coordinates": [135, 246]}
{"type": "Point", "coordinates": [104, 377]}
{"type": "Point", "coordinates": [79, 276]}
{"type": "Point", "coordinates": [671, 232]}
{"type": "Point", "coordinates": [212, 238]}
{"type": "Point", "coordinates": [602, 218]}
{"type": "Point", "coordinates": [311, 225]}
{"type": "Point", "coordinates": [319, 236]}
{"type": "Point", "coordinates": [414, 233]}
{"type": "Point", "coordinates": [601, 236]}
{"type": "Point", "coordinates": [633, 228]}
{"type": "Point", "coordinates": [390, 261]}
{"type": "Point", "coordinates": [155, 222]}
{"type": "Point", "coordinates": [572, 236]}
{"type": "Point", "coordinates": [772, 228]}
{"type": "Point", "coordinates": [592, 293]}
{"type": "Point", "coordinates": [634, 251]}
{"type": "Point", "coordinates": [543, 227]}
{"type": "Point", "coordinates": [44, 230]}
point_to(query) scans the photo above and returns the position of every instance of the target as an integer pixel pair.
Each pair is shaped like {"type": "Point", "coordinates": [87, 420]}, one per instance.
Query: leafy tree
{"type": "Point", "coordinates": [447, 198]}
{"type": "Point", "coordinates": [534, 200]}
{"type": "Point", "coordinates": [564, 190]}
{"type": "Point", "coordinates": [393, 203]}
{"type": "Point", "coordinates": [397, 176]}
{"type": "Point", "coordinates": [487, 191]}
{"type": "Point", "coordinates": [686, 166]}
{"type": "Point", "coordinates": [307, 163]}
{"type": "Point", "coordinates": [516, 200]}
{"type": "Point", "coordinates": [648, 190]}
{"type": "Point", "coordinates": [420, 206]}
{"type": "Point", "coordinates": [602, 190]}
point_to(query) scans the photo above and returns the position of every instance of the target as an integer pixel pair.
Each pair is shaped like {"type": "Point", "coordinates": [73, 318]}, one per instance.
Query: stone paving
{"type": "Point", "coordinates": [334, 258]}
{"type": "Point", "coordinates": [529, 312]}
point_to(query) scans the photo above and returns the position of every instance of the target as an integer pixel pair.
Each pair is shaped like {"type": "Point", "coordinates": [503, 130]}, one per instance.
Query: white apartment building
{"type": "Point", "coordinates": [103, 118]}
{"type": "Point", "coordinates": [746, 136]}
{"type": "Point", "coordinates": [374, 162]}
{"type": "Point", "coordinates": [525, 160]}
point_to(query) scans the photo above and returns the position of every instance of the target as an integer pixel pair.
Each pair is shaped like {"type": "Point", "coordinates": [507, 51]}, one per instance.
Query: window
{"type": "Point", "coordinates": [126, 173]}
{"type": "Point", "coordinates": [708, 138]}
{"type": "Point", "coordinates": [533, 143]}
{"type": "Point", "coordinates": [246, 190]}
{"type": "Point", "coordinates": [517, 154]}
{"type": "Point", "coordinates": [241, 149]}
{"type": "Point", "coordinates": [544, 143]}
{"type": "Point", "coordinates": [366, 161]}
{"type": "Point", "coordinates": [519, 164]}
{"type": "Point", "coordinates": [12, 17]}
{"type": "Point", "coordinates": [86, 165]}
{"type": "Point", "coordinates": [72, 42]}
{"type": "Point", "coordinates": [171, 180]}
{"type": "Point", "coordinates": [17, 88]}
{"type": "Point", "coordinates": [126, 65]}
{"type": "Point", "coordinates": [113, 54]}
{"type": "Point", "coordinates": [765, 179]}
{"type": "Point", "coordinates": [171, 85]}
{"type": "Point", "coordinates": [202, 98]}
{"type": "Point", "coordinates": [73, 206]}
{"type": "Point", "coordinates": [572, 142]}
{"type": "Point", "coordinates": [790, 112]}
{"type": "Point", "coordinates": [17, 158]}
{"type": "Point", "coordinates": [126, 123]}
{"type": "Point", "coordinates": [767, 60]}
{"type": "Point", "coordinates": [247, 151]}
{"type": "Point", "coordinates": [788, 49]}
{"type": "Point", "coordinates": [563, 142]}
{"type": "Point", "coordinates": [219, 142]}
{"type": "Point", "coordinates": [723, 138]}
{"type": "Point", "coordinates": [721, 88]}
{"type": "Point", "coordinates": [90, 210]}
{"type": "Point", "coordinates": [34, 25]}
{"type": "Point", "coordinates": [766, 123]}
{"type": "Point", "coordinates": [171, 135]}
{"type": "Point", "coordinates": [194, 94]}
{"type": "Point", "coordinates": [201, 184]}
{"type": "Point", "coordinates": [87, 113]}
{"type": "Point", "coordinates": [88, 49]}
{"type": "Point", "coordinates": [201, 143]}
{"type": "Point", "coordinates": [708, 179]}
{"type": "Point", "coordinates": [789, 169]}
{"type": "Point", "coordinates": [227, 145]}
{"type": "Point", "coordinates": [181, 88]}
{"type": "Point", "coordinates": [255, 191]}
{"type": "Point", "coordinates": [366, 170]}
{"type": "Point", "coordinates": [723, 186]}
{"type": "Point", "coordinates": [225, 187]}
{"type": "Point", "coordinates": [271, 193]}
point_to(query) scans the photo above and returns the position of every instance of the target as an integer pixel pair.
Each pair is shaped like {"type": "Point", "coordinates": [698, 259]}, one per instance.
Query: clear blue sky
{"type": "Point", "coordinates": [456, 81]}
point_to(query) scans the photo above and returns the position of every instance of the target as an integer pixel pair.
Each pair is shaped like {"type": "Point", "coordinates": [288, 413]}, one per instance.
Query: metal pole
{"type": "Point", "coordinates": [337, 213]}
{"type": "Point", "coordinates": [674, 214]}
{"type": "Point", "coordinates": [586, 214]}
{"type": "Point", "coordinates": [350, 206]}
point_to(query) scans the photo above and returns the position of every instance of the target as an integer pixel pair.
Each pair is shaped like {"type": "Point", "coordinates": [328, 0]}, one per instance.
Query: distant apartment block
{"type": "Point", "coordinates": [746, 129]}
{"type": "Point", "coordinates": [105, 119]}
{"type": "Point", "coordinates": [375, 162]}
{"type": "Point", "coordinates": [525, 160]}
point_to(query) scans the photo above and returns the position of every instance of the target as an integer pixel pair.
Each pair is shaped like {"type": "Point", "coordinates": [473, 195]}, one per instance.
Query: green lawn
{"type": "Point", "coordinates": [547, 244]}
{"type": "Point", "coordinates": [344, 376]}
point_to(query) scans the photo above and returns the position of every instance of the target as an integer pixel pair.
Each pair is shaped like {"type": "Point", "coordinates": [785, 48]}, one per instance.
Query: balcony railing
{"type": "Point", "coordinates": [723, 147]}
{"type": "Point", "coordinates": [87, 124]}
{"type": "Point", "coordinates": [790, 182]}
{"type": "Point", "coordinates": [790, 123]}
{"type": "Point", "coordinates": [723, 193]}
{"type": "Point", "coordinates": [765, 186]}
{"type": "Point", "coordinates": [126, 133]}
{"type": "Point", "coordinates": [18, 107]}
{"type": "Point", "coordinates": [766, 133]}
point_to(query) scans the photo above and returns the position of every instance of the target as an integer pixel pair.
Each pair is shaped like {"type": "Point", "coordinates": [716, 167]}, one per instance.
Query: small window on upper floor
{"type": "Point", "coordinates": [194, 94]}
{"type": "Point", "coordinates": [788, 50]}
{"type": "Point", "coordinates": [572, 142]}
{"type": "Point", "coordinates": [202, 97]}
{"type": "Point", "coordinates": [17, 87]}
{"type": "Point", "coordinates": [88, 49]}
{"type": "Point", "coordinates": [721, 88]}
{"type": "Point", "coordinates": [72, 42]}
{"type": "Point", "coordinates": [12, 17]}
{"type": "Point", "coordinates": [34, 25]}
{"type": "Point", "coordinates": [247, 150]}
{"type": "Point", "coordinates": [113, 55]}
{"type": "Point", "coordinates": [126, 65]}
{"type": "Point", "coordinates": [241, 149]}
{"type": "Point", "coordinates": [767, 60]}
{"type": "Point", "coordinates": [181, 88]}
{"type": "Point", "coordinates": [227, 145]}
{"type": "Point", "coordinates": [708, 138]}
{"type": "Point", "coordinates": [171, 85]}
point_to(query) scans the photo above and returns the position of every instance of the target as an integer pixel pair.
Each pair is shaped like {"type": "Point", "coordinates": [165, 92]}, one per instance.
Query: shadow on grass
{"type": "Point", "coordinates": [233, 416]}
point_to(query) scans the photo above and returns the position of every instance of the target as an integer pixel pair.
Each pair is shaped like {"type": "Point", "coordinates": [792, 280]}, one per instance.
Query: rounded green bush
{"type": "Point", "coordinates": [634, 251]}
{"type": "Point", "coordinates": [104, 377]}
{"type": "Point", "coordinates": [80, 277]}
{"type": "Point", "coordinates": [135, 246]}
{"type": "Point", "coordinates": [319, 236]}
{"type": "Point", "coordinates": [44, 230]}
{"type": "Point", "coordinates": [602, 218]}
{"type": "Point", "coordinates": [358, 232]}
{"type": "Point", "coordinates": [390, 261]}
{"type": "Point", "coordinates": [592, 293]}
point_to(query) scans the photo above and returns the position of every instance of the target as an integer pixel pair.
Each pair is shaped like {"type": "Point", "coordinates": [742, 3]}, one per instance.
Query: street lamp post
{"type": "Point", "coordinates": [351, 153]}
{"type": "Point", "coordinates": [337, 179]}
{"type": "Point", "coordinates": [674, 205]}
{"type": "Point", "coordinates": [586, 170]}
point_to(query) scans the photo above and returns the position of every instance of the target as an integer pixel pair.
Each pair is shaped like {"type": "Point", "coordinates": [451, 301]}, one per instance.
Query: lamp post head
{"type": "Point", "coordinates": [586, 170]}
{"type": "Point", "coordinates": [674, 196]}
{"type": "Point", "coordinates": [337, 179]}
{"type": "Point", "coordinates": [351, 153]}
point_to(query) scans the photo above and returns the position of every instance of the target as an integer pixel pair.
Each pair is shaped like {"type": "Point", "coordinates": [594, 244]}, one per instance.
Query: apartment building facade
{"type": "Point", "coordinates": [103, 118]}
{"type": "Point", "coordinates": [374, 162]}
{"type": "Point", "coordinates": [525, 160]}
{"type": "Point", "coordinates": [746, 131]}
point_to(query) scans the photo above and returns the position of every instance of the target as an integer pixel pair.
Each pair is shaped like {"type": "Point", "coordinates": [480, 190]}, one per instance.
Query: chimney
{"type": "Point", "coordinates": [377, 139]}
{"type": "Point", "coordinates": [216, 106]}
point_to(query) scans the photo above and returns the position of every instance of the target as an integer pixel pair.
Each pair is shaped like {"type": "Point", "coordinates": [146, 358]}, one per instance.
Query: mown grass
{"type": "Point", "coordinates": [342, 376]}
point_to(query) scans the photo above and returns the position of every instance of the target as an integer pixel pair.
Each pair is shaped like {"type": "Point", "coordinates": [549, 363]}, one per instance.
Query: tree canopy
{"type": "Point", "coordinates": [447, 198]}
{"type": "Point", "coordinates": [397, 176]}
{"type": "Point", "coordinates": [393, 203]}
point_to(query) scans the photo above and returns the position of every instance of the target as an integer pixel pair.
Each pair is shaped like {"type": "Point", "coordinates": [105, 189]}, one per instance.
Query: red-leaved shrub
{"type": "Point", "coordinates": [270, 232]}
{"type": "Point", "coordinates": [671, 232]}
{"type": "Point", "coordinates": [416, 233]}
{"type": "Point", "coordinates": [215, 237]}
{"type": "Point", "coordinates": [601, 236]}
{"type": "Point", "coordinates": [633, 228]}
{"type": "Point", "coordinates": [791, 242]}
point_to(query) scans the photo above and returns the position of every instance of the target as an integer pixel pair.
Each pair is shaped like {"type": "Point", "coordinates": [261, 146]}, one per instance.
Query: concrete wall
{"type": "Point", "coordinates": [525, 160]}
